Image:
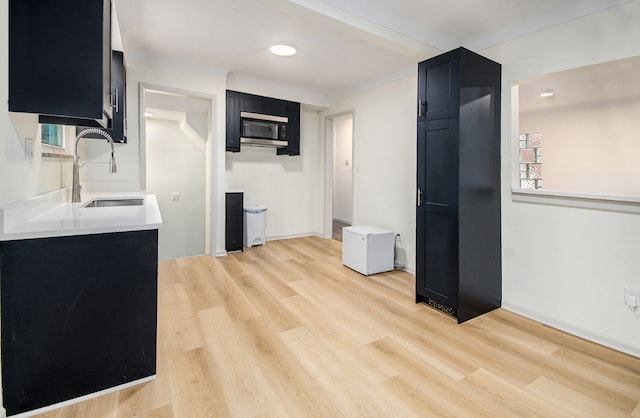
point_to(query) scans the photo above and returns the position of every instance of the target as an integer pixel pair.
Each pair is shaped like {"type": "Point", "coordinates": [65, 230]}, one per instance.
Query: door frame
{"type": "Point", "coordinates": [210, 180]}
{"type": "Point", "coordinates": [329, 141]}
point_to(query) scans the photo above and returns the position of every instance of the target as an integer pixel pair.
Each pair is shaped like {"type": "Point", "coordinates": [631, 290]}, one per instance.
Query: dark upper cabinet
{"type": "Point", "coordinates": [276, 107]}
{"type": "Point", "coordinates": [118, 129]}
{"type": "Point", "coordinates": [263, 105]}
{"type": "Point", "coordinates": [233, 121]}
{"type": "Point", "coordinates": [251, 103]}
{"type": "Point", "coordinates": [293, 130]}
{"type": "Point", "coordinates": [234, 225]}
{"type": "Point", "coordinates": [60, 60]}
{"type": "Point", "coordinates": [238, 102]}
{"type": "Point", "coordinates": [458, 237]}
{"type": "Point", "coordinates": [438, 86]}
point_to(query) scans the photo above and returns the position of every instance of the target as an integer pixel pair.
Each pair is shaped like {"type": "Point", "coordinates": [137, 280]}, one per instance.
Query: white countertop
{"type": "Point", "coordinates": [26, 220]}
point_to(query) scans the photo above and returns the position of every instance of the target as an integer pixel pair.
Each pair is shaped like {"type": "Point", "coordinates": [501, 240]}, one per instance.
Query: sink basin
{"type": "Point", "coordinates": [105, 203]}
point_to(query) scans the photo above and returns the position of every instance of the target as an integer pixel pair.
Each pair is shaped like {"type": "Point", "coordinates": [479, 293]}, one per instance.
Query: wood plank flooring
{"type": "Point", "coordinates": [284, 330]}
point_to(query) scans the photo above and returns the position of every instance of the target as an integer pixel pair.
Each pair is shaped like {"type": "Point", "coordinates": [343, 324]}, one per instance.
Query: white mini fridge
{"type": "Point", "coordinates": [367, 249]}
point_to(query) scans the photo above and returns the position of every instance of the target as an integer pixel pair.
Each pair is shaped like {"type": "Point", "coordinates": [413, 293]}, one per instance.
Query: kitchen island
{"type": "Point", "coordinates": [78, 300]}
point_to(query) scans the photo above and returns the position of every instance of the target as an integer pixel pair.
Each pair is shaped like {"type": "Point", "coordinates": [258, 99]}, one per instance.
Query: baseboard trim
{"type": "Point", "coordinates": [82, 398]}
{"type": "Point", "coordinates": [344, 221]}
{"type": "Point", "coordinates": [292, 236]}
{"type": "Point", "coordinates": [409, 269]}
{"type": "Point", "coordinates": [572, 329]}
{"type": "Point", "coordinates": [276, 238]}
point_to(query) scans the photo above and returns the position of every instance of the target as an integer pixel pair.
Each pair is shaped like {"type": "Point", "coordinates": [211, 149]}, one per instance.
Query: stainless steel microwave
{"type": "Point", "coordinates": [263, 130]}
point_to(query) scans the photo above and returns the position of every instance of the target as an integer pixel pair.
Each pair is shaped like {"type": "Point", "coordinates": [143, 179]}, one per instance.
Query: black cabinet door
{"type": "Point", "coordinates": [293, 130]}
{"type": "Point", "coordinates": [252, 103]}
{"type": "Point", "coordinates": [78, 315]}
{"type": "Point", "coordinates": [440, 282]}
{"type": "Point", "coordinates": [60, 60]}
{"type": "Point", "coordinates": [234, 221]}
{"type": "Point", "coordinates": [436, 214]}
{"type": "Point", "coordinates": [233, 121]}
{"type": "Point", "coordinates": [275, 107]}
{"type": "Point", "coordinates": [421, 213]}
{"type": "Point", "coordinates": [438, 87]}
{"type": "Point", "coordinates": [118, 129]}
{"type": "Point", "coordinates": [441, 164]}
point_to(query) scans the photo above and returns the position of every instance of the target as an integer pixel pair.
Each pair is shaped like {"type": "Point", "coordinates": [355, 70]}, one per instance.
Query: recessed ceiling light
{"type": "Point", "coordinates": [547, 94]}
{"type": "Point", "coordinates": [283, 49]}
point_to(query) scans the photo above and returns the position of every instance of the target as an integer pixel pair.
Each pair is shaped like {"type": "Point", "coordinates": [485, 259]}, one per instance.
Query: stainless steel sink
{"type": "Point", "coordinates": [105, 203]}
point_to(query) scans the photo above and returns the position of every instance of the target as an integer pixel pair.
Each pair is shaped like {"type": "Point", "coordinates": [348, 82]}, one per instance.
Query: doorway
{"type": "Point", "coordinates": [341, 138]}
{"type": "Point", "coordinates": [177, 129]}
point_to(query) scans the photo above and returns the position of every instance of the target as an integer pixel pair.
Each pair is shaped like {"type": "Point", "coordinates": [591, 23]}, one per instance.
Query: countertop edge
{"type": "Point", "coordinates": [76, 232]}
{"type": "Point", "coordinates": [63, 220]}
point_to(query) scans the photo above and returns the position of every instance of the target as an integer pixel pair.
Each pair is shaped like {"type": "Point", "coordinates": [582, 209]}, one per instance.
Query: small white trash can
{"type": "Point", "coordinates": [255, 225]}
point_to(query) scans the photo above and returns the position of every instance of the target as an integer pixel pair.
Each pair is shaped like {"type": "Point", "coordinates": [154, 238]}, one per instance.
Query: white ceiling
{"type": "Point", "coordinates": [615, 81]}
{"type": "Point", "coordinates": [344, 46]}
{"type": "Point", "coordinates": [175, 102]}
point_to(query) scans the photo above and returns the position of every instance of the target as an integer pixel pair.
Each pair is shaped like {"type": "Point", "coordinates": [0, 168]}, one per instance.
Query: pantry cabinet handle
{"type": "Point", "coordinates": [419, 197]}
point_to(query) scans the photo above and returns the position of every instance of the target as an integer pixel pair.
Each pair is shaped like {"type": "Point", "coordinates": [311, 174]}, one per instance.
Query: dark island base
{"type": "Point", "coordinates": [79, 316]}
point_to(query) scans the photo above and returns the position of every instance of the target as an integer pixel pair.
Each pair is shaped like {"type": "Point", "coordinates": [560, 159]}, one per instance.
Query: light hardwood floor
{"type": "Point", "coordinates": [285, 330]}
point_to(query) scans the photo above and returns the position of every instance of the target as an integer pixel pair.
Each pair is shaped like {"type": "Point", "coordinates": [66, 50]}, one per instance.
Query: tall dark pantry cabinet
{"type": "Point", "coordinates": [458, 260]}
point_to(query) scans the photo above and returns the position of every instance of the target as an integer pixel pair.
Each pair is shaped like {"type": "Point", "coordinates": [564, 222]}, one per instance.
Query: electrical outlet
{"type": "Point", "coordinates": [28, 148]}
{"type": "Point", "coordinates": [631, 296]}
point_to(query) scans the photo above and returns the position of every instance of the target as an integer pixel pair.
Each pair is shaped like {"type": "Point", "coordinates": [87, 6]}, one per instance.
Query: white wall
{"type": "Point", "coordinates": [592, 149]}
{"type": "Point", "coordinates": [566, 266]}
{"type": "Point", "coordinates": [176, 164]}
{"type": "Point", "coordinates": [384, 160]}
{"type": "Point", "coordinates": [343, 169]}
{"type": "Point", "coordinates": [290, 187]}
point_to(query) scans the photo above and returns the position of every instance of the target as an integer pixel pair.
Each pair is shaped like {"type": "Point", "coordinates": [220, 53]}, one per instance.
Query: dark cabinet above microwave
{"type": "Point", "coordinates": [60, 60]}
{"type": "Point", "coordinates": [243, 103]}
{"type": "Point", "coordinates": [263, 105]}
